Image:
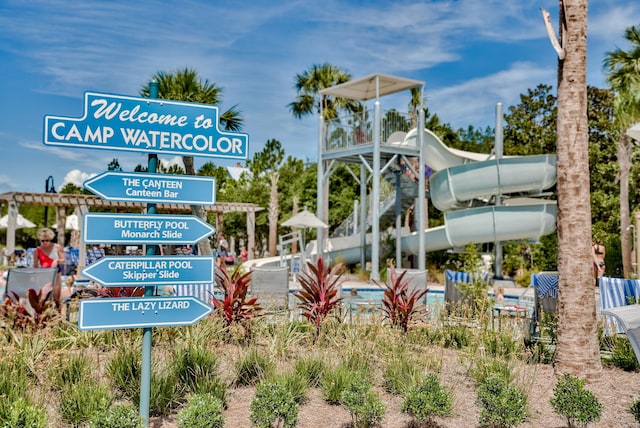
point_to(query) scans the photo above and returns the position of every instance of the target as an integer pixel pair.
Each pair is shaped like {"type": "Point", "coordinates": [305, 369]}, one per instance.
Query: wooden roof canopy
{"type": "Point", "coordinates": [90, 201]}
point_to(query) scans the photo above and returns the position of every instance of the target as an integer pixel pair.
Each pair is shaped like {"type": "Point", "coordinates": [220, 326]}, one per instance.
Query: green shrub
{"type": "Point", "coordinates": [193, 365]}
{"type": "Point", "coordinates": [501, 344]}
{"type": "Point", "coordinates": [20, 413]}
{"type": "Point", "coordinates": [401, 374]}
{"type": "Point", "coordinates": [215, 387]}
{"type": "Point", "coordinates": [165, 393]}
{"type": "Point", "coordinates": [456, 336]}
{"type": "Point", "coordinates": [334, 381]}
{"type": "Point", "coordinates": [252, 367]}
{"type": "Point", "coordinates": [486, 368]}
{"type": "Point", "coordinates": [501, 404]}
{"type": "Point", "coordinates": [571, 400]}
{"type": "Point", "coordinates": [295, 384]}
{"type": "Point", "coordinates": [363, 404]}
{"type": "Point", "coordinates": [635, 409]}
{"type": "Point", "coordinates": [310, 369]}
{"type": "Point", "coordinates": [118, 415]}
{"type": "Point", "coordinates": [69, 371]}
{"type": "Point", "coordinates": [201, 411]}
{"type": "Point", "coordinates": [124, 370]}
{"type": "Point", "coordinates": [272, 404]}
{"type": "Point", "coordinates": [622, 355]}
{"type": "Point", "coordinates": [428, 399]}
{"type": "Point", "coordinates": [13, 379]}
{"type": "Point", "coordinates": [80, 401]}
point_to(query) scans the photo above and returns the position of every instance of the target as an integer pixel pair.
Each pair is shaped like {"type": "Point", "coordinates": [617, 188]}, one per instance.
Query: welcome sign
{"type": "Point", "coordinates": [115, 122]}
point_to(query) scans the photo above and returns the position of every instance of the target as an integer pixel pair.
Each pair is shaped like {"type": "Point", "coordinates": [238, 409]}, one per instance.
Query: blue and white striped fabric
{"type": "Point", "coordinates": [203, 292]}
{"type": "Point", "coordinates": [546, 284]}
{"type": "Point", "coordinates": [615, 292]}
{"type": "Point", "coordinates": [458, 277]}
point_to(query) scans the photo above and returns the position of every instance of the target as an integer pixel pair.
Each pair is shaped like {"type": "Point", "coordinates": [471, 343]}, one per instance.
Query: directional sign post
{"type": "Point", "coordinates": [105, 228]}
{"type": "Point", "coordinates": [134, 312]}
{"type": "Point", "coordinates": [132, 271]}
{"type": "Point", "coordinates": [154, 188]}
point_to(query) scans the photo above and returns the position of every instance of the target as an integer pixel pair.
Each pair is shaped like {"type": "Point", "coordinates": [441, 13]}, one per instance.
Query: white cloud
{"type": "Point", "coordinates": [167, 163]}
{"type": "Point", "coordinates": [76, 177]}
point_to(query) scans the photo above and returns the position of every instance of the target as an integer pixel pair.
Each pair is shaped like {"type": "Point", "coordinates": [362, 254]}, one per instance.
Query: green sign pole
{"type": "Point", "coordinates": [147, 338]}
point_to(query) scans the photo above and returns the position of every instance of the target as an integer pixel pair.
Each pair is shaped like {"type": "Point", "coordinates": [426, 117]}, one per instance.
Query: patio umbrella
{"type": "Point", "coordinates": [71, 223]}
{"type": "Point", "coordinates": [304, 220]}
{"type": "Point", "coordinates": [634, 132]}
{"type": "Point", "coordinates": [21, 222]}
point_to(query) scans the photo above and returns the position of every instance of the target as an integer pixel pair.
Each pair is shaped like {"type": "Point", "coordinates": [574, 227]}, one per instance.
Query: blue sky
{"type": "Point", "coordinates": [471, 54]}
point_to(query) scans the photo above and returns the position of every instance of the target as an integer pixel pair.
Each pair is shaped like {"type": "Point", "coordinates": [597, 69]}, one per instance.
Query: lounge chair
{"type": "Point", "coordinates": [628, 319]}
{"type": "Point", "coordinates": [19, 280]}
{"type": "Point", "coordinates": [545, 299]}
{"type": "Point", "coordinates": [616, 292]}
{"type": "Point", "coordinates": [453, 296]}
{"type": "Point", "coordinates": [271, 285]}
{"type": "Point", "coordinates": [204, 292]}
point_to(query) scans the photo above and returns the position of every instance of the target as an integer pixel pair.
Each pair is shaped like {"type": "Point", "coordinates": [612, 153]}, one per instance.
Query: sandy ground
{"type": "Point", "coordinates": [616, 390]}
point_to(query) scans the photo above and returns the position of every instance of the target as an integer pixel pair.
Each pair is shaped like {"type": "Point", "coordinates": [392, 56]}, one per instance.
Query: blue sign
{"type": "Point", "coordinates": [132, 271]}
{"type": "Point", "coordinates": [140, 312]}
{"type": "Point", "coordinates": [110, 228]}
{"type": "Point", "coordinates": [154, 188]}
{"type": "Point", "coordinates": [116, 122]}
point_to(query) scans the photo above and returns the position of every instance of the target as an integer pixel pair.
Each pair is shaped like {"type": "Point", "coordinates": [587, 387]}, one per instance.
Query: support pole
{"type": "Point", "coordinates": [363, 217]}
{"type": "Point", "coordinates": [375, 203]}
{"type": "Point", "coordinates": [422, 185]}
{"type": "Point", "coordinates": [147, 339]}
{"type": "Point", "coordinates": [499, 151]}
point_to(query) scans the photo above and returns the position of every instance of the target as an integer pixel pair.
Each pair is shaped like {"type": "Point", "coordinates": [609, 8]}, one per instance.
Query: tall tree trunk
{"type": "Point", "coordinates": [624, 161]}
{"type": "Point", "coordinates": [204, 247]}
{"type": "Point", "coordinates": [577, 347]}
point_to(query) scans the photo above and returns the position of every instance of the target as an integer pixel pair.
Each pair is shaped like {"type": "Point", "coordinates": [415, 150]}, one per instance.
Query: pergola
{"type": "Point", "coordinates": [85, 203]}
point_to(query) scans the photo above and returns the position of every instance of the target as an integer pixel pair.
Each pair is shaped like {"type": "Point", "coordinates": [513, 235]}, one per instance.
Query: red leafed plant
{"type": "Point", "coordinates": [320, 292]}
{"type": "Point", "coordinates": [399, 305]}
{"type": "Point", "coordinates": [235, 306]}
{"type": "Point", "coordinates": [37, 313]}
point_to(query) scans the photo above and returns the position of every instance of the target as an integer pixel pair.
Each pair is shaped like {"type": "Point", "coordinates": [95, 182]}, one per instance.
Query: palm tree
{"type": "Point", "coordinates": [577, 346]}
{"type": "Point", "coordinates": [185, 85]}
{"type": "Point", "coordinates": [269, 161]}
{"type": "Point", "coordinates": [309, 101]}
{"type": "Point", "coordinates": [623, 74]}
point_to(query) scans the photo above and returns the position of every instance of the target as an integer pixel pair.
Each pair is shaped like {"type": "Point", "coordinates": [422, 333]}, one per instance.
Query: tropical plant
{"type": "Point", "coordinates": [427, 400]}
{"type": "Point", "coordinates": [37, 313]}
{"type": "Point", "coordinates": [252, 367]}
{"type": "Point", "coordinates": [273, 404]}
{"type": "Point", "coordinates": [399, 304]}
{"type": "Point", "coordinates": [571, 400]}
{"type": "Point", "coordinates": [201, 411]}
{"type": "Point", "coordinates": [365, 407]}
{"type": "Point", "coordinates": [195, 366]}
{"type": "Point", "coordinates": [80, 401]}
{"type": "Point", "coordinates": [502, 405]}
{"type": "Point", "coordinates": [319, 294]}
{"type": "Point", "coordinates": [235, 306]}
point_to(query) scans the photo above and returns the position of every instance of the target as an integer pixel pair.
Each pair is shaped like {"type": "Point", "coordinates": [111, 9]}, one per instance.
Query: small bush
{"type": "Point", "coordinates": [215, 387]}
{"type": "Point", "coordinates": [21, 414]}
{"type": "Point", "coordinates": [124, 370]}
{"type": "Point", "coordinates": [201, 411]}
{"type": "Point", "coordinates": [165, 393]}
{"type": "Point", "coordinates": [310, 369]}
{"type": "Point", "coordinates": [295, 384]}
{"type": "Point", "coordinates": [334, 381]}
{"type": "Point", "coordinates": [486, 368]}
{"type": "Point", "coordinates": [571, 400]}
{"type": "Point", "coordinates": [501, 344]}
{"type": "Point", "coordinates": [635, 409]}
{"type": "Point", "coordinates": [273, 404]}
{"type": "Point", "coordinates": [502, 405]}
{"type": "Point", "coordinates": [428, 399]}
{"type": "Point", "coordinates": [79, 402]}
{"type": "Point", "coordinates": [622, 355]}
{"type": "Point", "coordinates": [68, 372]}
{"type": "Point", "coordinates": [193, 365]}
{"type": "Point", "coordinates": [456, 336]}
{"type": "Point", "coordinates": [363, 404]}
{"type": "Point", "coordinates": [119, 415]}
{"type": "Point", "coordinates": [400, 375]}
{"type": "Point", "coordinates": [252, 367]}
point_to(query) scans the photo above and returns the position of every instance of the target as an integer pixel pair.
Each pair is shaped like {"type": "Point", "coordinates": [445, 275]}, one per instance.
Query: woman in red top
{"type": "Point", "coordinates": [49, 254]}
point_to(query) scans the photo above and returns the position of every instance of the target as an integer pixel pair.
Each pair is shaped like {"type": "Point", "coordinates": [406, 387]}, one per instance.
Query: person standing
{"type": "Point", "coordinates": [223, 251]}
{"type": "Point", "coordinates": [598, 252]}
{"type": "Point", "coordinates": [50, 255]}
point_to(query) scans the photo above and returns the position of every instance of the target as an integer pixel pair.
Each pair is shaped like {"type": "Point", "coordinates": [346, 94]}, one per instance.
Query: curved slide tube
{"type": "Point", "coordinates": [461, 177]}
